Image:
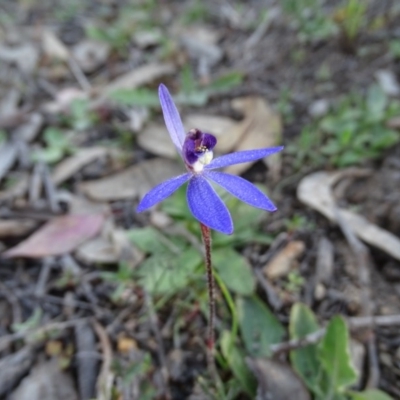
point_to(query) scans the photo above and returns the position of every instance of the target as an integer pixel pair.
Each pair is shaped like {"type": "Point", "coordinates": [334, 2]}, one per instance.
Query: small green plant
{"type": "Point", "coordinates": [197, 11]}
{"type": "Point", "coordinates": [310, 20]}
{"type": "Point", "coordinates": [295, 282]}
{"type": "Point", "coordinates": [351, 18]}
{"type": "Point", "coordinates": [58, 145]}
{"type": "Point", "coordinates": [326, 367]}
{"type": "Point", "coordinates": [354, 131]}
{"type": "Point", "coordinates": [394, 48]}
{"type": "Point", "coordinates": [190, 94]}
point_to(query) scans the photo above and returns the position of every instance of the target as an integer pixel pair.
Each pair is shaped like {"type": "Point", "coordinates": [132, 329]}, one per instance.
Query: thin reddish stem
{"type": "Point", "coordinates": [206, 235]}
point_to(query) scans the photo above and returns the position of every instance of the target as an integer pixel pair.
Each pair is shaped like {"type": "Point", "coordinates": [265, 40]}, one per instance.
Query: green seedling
{"type": "Point", "coordinates": [352, 132]}
{"type": "Point", "coordinates": [310, 20]}
{"type": "Point", "coordinates": [58, 145]}
{"type": "Point", "coordinates": [326, 367]}
{"type": "Point", "coordinates": [351, 18]}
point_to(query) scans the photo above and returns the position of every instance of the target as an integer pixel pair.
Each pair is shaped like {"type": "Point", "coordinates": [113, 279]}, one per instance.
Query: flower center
{"type": "Point", "coordinates": [197, 149]}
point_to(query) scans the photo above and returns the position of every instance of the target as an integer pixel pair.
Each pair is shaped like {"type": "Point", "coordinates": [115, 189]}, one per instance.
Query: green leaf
{"type": "Point", "coordinates": [259, 326]}
{"type": "Point", "coordinates": [376, 102]}
{"type": "Point", "coordinates": [149, 240]}
{"type": "Point", "coordinates": [135, 97]}
{"type": "Point", "coordinates": [373, 394]}
{"type": "Point", "coordinates": [236, 362]}
{"type": "Point", "coordinates": [305, 360]}
{"type": "Point", "coordinates": [54, 137]}
{"type": "Point", "coordinates": [234, 270]}
{"type": "Point", "coordinates": [226, 82]}
{"type": "Point", "coordinates": [168, 275]}
{"type": "Point", "coordinates": [335, 357]}
{"type": "Point", "coordinates": [50, 155]}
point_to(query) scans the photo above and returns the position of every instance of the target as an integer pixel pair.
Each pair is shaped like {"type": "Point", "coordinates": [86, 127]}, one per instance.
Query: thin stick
{"type": "Point", "coordinates": [206, 235]}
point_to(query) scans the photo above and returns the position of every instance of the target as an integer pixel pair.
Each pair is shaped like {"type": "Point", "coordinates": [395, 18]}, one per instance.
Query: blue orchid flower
{"type": "Point", "coordinates": [196, 150]}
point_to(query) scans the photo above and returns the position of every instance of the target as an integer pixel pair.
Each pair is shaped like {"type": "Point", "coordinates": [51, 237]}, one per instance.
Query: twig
{"type": "Point", "coordinates": [272, 297]}
{"type": "Point", "coordinates": [5, 341]}
{"type": "Point", "coordinates": [79, 75]}
{"type": "Point", "coordinates": [13, 300]}
{"type": "Point", "coordinates": [40, 289]}
{"type": "Point", "coordinates": [106, 376]}
{"type": "Point", "coordinates": [160, 347]}
{"type": "Point", "coordinates": [50, 190]}
{"type": "Point", "coordinates": [354, 324]}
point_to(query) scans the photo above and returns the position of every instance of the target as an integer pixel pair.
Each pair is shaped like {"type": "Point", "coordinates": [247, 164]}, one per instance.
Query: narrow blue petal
{"type": "Point", "coordinates": [242, 157]}
{"type": "Point", "coordinates": [162, 191]}
{"type": "Point", "coordinates": [171, 117]}
{"type": "Point", "coordinates": [242, 189]}
{"type": "Point", "coordinates": [207, 207]}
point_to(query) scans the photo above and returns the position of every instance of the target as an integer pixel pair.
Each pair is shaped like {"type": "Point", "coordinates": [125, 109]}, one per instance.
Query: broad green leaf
{"type": "Point", "coordinates": [259, 326]}
{"type": "Point", "coordinates": [234, 270]}
{"type": "Point", "coordinates": [226, 82]}
{"type": "Point", "coordinates": [376, 102]}
{"type": "Point", "coordinates": [335, 357]}
{"type": "Point", "coordinates": [149, 240]}
{"type": "Point", "coordinates": [135, 97]}
{"type": "Point", "coordinates": [236, 362]}
{"type": "Point", "coordinates": [372, 394]}
{"type": "Point", "coordinates": [305, 360]}
{"type": "Point", "coordinates": [167, 275]}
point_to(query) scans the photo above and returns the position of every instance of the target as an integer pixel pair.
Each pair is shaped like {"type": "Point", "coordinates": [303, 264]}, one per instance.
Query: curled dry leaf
{"type": "Point", "coordinates": [277, 380]}
{"type": "Point", "coordinates": [155, 139]}
{"type": "Point", "coordinates": [315, 190]}
{"type": "Point", "coordinates": [91, 54]}
{"type": "Point", "coordinates": [132, 182]}
{"type": "Point", "coordinates": [284, 261]}
{"type": "Point", "coordinates": [58, 236]}
{"type": "Point", "coordinates": [53, 47]}
{"type": "Point", "coordinates": [261, 127]}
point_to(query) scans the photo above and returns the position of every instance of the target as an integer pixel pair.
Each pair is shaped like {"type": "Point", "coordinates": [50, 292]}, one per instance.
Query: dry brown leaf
{"type": "Point", "coordinates": [132, 182]}
{"type": "Point", "coordinates": [284, 261]}
{"type": "Point", "coordinates": [25, 56]}
{"type": "Point", "coordinates": [53, 47]}
{"type": "Point", "coordinates": [261, 127]}
{"type": "Point", "coordinates": [134, 79]}
{"type": "Point", "coordinates": [154, 138]}
{"type": "Point", "coordinates": [277, 380]}
{"type": "Point", "coordinates": [97, 251]}
{"type": "Point", "coordinates": [91, 54]}
{"type": "Point", "coordinates": [58, 236]}
{"type": "Point", "coordinates": [315, 190]}
{"type": "Point", "coordinates": [111, 247]}
{"type": "Point", "coordinates": [220, 127]}
{"type": "Point", "coordinates": [16, 227]}
{"type": "Point", "coordinates": [70, 166]}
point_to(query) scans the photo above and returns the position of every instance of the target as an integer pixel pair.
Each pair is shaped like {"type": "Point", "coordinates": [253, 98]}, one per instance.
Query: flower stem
{"type": "Point", "coordinates": [206, 235]}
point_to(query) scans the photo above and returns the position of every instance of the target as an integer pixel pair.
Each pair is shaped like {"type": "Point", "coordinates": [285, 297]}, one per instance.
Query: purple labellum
{"type": "Point", "coordinates": [196, 150]}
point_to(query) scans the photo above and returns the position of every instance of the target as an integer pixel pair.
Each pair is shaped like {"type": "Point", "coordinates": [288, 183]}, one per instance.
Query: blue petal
{"type": "Point", "coordinates": [162, 191]}
{"type": "Point", "coordinates": [242, 189]}
{"type": "Point", "coordinates": [242, 157]}
{"type": "Point", "coordinates": [207, 207]}
{"type": "Point", "coordinates": [171, 117]}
